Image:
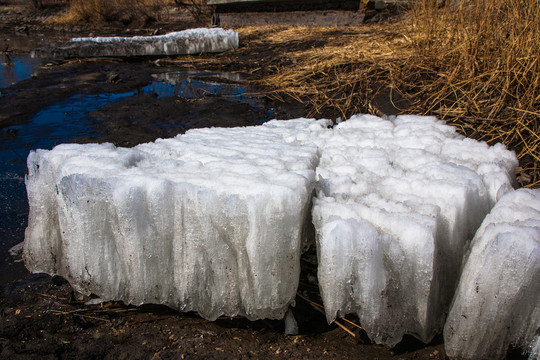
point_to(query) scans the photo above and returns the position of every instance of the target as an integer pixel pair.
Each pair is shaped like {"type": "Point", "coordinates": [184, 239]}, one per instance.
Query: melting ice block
{"type": "Point", "coordinates": [192, 41]}
{"type": "Point", "coordinates": [497, 302]}
{"type": "Point", "coordinates": [211, 221]}
{"type": "Point", "coordinates": [397, 202]}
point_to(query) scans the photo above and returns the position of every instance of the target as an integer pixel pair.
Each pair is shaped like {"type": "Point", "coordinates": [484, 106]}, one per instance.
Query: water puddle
{"type": "Point", "coordinates": [54, 125]}
{"type": "Point", "coordinates": [17, 67]}
{"type": "Point", "coordinates": [190, 86]}
{"type": "Point", "coordinates": [16, 64]}
{"type": "Point", "coordinates": [64, 121]}
{"type": "Point", "coordinates": [196, 85]}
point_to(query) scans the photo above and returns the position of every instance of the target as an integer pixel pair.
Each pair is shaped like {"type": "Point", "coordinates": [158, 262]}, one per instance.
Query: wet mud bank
{"type": "Point", "coordinates": [43, 318]}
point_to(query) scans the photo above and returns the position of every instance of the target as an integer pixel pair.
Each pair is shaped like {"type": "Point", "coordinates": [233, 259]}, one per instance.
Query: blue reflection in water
{"type": "Point", "coordinates": [60, 122]}
{"type": "Point", "coordinates": [196, 85]}
{"type": "Point", "coordinates": [195, 89]}
{"type": "Point", "coordinates": [16, 67]}
{"type": "Point", "coordinates": [56, 124]}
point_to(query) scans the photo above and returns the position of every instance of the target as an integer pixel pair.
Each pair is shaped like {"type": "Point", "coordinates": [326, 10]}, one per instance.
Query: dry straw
{"type": "Point", "coordinates": [473, 63]}
{"type": "Point", "coordinates": [477, 64]}
{"type": "Point", "coordinates": [125, 11]}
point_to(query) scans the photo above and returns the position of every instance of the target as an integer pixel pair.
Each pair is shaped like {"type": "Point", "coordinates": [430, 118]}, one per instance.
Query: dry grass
{"type": "Point", "coordinates": [342, 77]}
{"type": "Point", "coordinates": [477, 64]}
{"type": "Point", "coordinates": [124, 11]}
{"type": "Point", "coordinates": [474, 63]}
{"type": "Point", "coordinates": [199, 9]}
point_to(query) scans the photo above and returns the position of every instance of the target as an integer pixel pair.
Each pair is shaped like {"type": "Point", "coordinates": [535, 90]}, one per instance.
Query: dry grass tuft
{"type": "Point", "coordinates": [199, 9]}
{"type": "Point", "coordinates": [474, 63]}
{"type": "Point", "coordinates": [477, 64]}
{"type": "Point", "coordinates": [124, 11]}
{"type": "Point", "coordinates": [340, 78]}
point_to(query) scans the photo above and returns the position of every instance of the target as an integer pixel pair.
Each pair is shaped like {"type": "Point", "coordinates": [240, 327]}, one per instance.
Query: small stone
{"type": "Point", "coordinates": [113, 78]}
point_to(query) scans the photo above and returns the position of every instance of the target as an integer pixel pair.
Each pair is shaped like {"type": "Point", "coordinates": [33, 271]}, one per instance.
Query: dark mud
{"type": "Point", "coordinates": [42, 318]}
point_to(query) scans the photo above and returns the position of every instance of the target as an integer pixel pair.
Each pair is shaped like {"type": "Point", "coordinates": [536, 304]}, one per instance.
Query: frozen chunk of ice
{"type": "Point", "coordinates": [534, 348]}
{"type": "Point", "coordinates": [211, 221]}
{"type": "Point", "coordinates": [192, 41]}
{"type": "Point", "coordinates": [397, 202]}
{"type": "Point", "coordinates": [497, 302]}
{"type": "Point", "coordinates": [291, 326]}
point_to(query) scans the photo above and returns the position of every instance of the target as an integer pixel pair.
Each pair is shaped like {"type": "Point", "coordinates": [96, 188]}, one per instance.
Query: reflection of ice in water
{"type": "Point", "coordinates": [174, 77]}
{"type": "Point", "coordinates": [193, 85]}
{"type": "Point", "coordinates": [16, 67]}
{"type": "Point", "coordinates": [196, 85]}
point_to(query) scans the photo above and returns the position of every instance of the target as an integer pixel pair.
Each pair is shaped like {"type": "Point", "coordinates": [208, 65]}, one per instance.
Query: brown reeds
{"type": "Point", "coordinates": [123, 11]}
{"type": "Point", "coordinates": [341, 77]}
{"type": "Point", "coordinates": [473, 63]}
{"type": "Point", "coordinates": [476, 63]}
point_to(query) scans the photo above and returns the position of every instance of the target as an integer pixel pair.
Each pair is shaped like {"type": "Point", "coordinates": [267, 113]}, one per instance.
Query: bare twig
{"type": "Point", "coordinates": [320, 308]}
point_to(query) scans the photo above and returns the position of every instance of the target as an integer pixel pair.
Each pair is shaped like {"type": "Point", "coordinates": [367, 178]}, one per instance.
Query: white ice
{"type": "Point", "coordinates": [497, 302]}
{"type": "Point", "coordinates": [214, 220]}
{"type": "Point", "coordinates": [397, 202]}
{"type": "Point", "coordinates": [534, 348]}
{"type": "Point", "coordinates": [193, 41]}
{"type": "Point", "coordinates": [211, 221]}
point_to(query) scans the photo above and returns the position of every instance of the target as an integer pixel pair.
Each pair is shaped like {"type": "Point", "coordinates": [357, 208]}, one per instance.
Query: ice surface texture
{"type": "Point", "coordinates": [397, 202]}
{"type": "Point", "coordinates": [210, 221]}
{"type": "Point", "coordinates": [193, 41]}
{"type": "Point", "coordinates": [497, 302]}
{"type": "Point", "coordinates": [213, 220]}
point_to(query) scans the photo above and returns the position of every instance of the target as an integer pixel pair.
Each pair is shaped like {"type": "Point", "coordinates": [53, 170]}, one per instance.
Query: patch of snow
{"type": "Point", "coordinates": [534, 349]}
{"type": "Point", "coordinates": [16, 252]}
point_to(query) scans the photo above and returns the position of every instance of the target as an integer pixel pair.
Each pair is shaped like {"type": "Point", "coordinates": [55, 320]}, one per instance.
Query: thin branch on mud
{"type": "Point", "coordinates": [320, 309]}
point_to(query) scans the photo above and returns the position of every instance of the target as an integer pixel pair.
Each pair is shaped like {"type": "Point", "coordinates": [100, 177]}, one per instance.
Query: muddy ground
{"type": "Point", "coordinates": [41, 317]}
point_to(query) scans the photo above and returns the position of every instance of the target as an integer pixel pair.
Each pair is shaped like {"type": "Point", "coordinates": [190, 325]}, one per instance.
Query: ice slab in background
{"type": "Point", "coordinates": [497, 302]}
{"type": "Point", "coordinates": [211, 221]}
{"type": "Point", "coordinates": [193, 41]}
{"type": "Point", "coordinates": [397, 202]}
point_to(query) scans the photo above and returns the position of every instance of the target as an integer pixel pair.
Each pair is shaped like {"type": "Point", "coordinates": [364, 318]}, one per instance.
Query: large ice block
{"type": "Point", "coordinates": [211, 221]}
{"type": "Point", "coordinates": [397, 203]}
{"type": "Point", "coordinates": [192, 41]}
{"type": "Point", "coordinates": [497, 302]}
